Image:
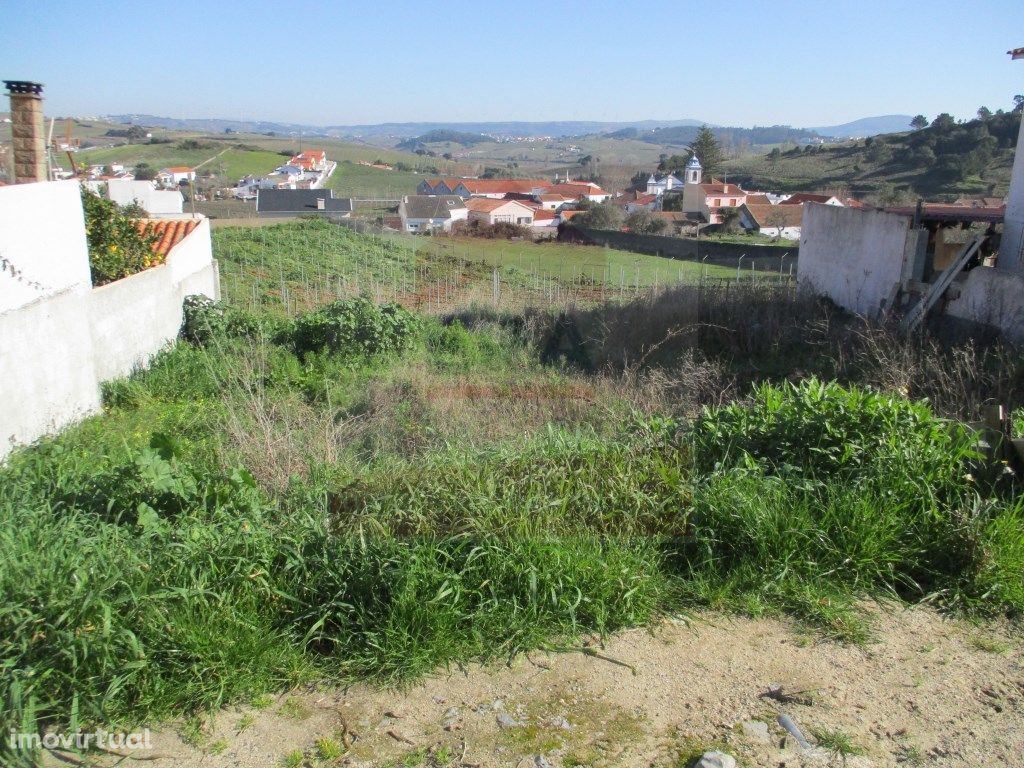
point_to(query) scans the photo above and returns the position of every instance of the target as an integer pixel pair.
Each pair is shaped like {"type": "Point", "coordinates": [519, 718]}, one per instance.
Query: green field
{"type": "Point", "coordinates": [352, 180]}
{"type": "Point", "coordinates": [568, 262]}
{"type": "Point", "coordinates": [298, 265]}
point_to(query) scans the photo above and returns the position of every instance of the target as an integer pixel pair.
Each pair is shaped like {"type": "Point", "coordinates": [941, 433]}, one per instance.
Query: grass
{"type": "Point", "coordinates": [251, 513]}
{"type": "Point", "coordinates": [295, 266]}
{"type": "Point", "coordinates": [837, 742]}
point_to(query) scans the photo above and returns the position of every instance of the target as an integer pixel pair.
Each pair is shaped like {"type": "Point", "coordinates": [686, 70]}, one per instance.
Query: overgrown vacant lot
{"type": "Point", "coordinates": [364, 493]}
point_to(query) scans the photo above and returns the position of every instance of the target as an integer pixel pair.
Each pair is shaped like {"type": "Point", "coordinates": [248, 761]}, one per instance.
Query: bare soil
{"type": "Point", "coordinates": [927, 690]}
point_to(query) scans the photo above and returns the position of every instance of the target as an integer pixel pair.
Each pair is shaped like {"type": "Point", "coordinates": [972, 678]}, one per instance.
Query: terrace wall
{"type": "Point", "coordinates": [60, 337]}
{"type": "Point", "coordinates": [722, 254]}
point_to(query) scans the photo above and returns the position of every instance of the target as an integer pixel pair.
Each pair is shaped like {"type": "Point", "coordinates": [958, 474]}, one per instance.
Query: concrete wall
{"type": "Point", "coordinates": [853, 256]}
{"type": "Point", "coordinates": [59, 337]}
{"type": "Point", "coordinates": [991, 297]}
{"type": "Point", "coordinates": [727, 254]}
{"type": "Point", "coordinates": [157, 202]}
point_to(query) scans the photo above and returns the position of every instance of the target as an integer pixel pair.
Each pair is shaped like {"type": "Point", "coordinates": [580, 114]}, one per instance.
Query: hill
{"type": "Point", "coordinates": [942, 161]}
{"type": "Point", "coordinates": [442, 135]}
{"type": "Point", "coordinates": [866, 126]}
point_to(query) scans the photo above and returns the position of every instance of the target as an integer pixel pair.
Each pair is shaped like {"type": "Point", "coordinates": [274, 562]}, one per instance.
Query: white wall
{"type": "Point", "coordinates": [852, 255]}
{"type": "Point", "coordinates": [992, 297]}
{"type": "Point", "coordinates": [157, 202]}
{"type": "Point", "coordinates": [42, 239]}
{"type": "Point", "coordinates": [59, 337]}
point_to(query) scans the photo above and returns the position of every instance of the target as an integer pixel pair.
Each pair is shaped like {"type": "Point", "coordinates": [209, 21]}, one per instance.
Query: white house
{"type": "Point", "coordinates": [492, 211]}
{"type": "Point", "coordinates": [659, 185]}
{"type": "Point", "coordinates": [429, 213]}
{"type": "Point", "coordinates": [172, 177]}
{"type": "Point", "coordinates": [782, 221]}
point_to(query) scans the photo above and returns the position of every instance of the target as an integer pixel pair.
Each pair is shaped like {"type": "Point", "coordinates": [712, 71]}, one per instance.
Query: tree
{"type": "Point", "coordinates": [1018, 103]}
{"type": "Point", "coordinates": [943, 122]}
{"type": "Point", "coordinates": [730, 219]}
{"type": "Point", "coordinates": [144, 172]}
{"type": "Point", "coordinates": [135, 133]}
{"type": "Point", "coordinates": [602, 216]}
{"type": "Point", "coordinates": [919, 122]}
{"type": "Point", "coordinates": [643, 222]}
{"type": "Point", "coordinates": [708, 150]}
{"type": "Point", "coordinates": [984, 113]}
{"type": "Point", "coordinates": [777, 220]}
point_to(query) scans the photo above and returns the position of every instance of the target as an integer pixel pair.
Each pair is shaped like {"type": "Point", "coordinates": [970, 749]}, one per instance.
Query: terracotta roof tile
{"type": "Point", "coordinates": [169, 232]}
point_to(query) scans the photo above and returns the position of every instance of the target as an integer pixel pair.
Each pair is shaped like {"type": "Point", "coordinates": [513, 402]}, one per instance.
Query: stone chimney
{"type": "Point", "coordinates": [27, 131]}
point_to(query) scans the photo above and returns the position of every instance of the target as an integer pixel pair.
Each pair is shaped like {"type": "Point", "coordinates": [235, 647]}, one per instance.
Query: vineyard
{"type": "Point", "coordinates": [295, 266]}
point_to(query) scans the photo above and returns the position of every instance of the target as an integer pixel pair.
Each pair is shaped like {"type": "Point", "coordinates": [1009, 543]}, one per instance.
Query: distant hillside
{"type": "Point", "coordinates": [681, 135]}
{"type": "Point", "coordinates": [943, 161]}
{"type": "Point", "coordinates": [866, 126]}
{"type": "Point", "coordinates": [509, 128]}
{"type": "Point", "coordinates": [217, 125]}
{"type": "Point", "coordinates": [440, 135]}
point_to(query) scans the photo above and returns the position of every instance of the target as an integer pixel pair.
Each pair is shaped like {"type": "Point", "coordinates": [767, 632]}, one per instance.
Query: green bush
{"type": "Point", "coordinates": [826, 432]}
{"type": "Point", "coordinates": [116, 246]}
{"type": "Point", "coordinates": [354, 327]}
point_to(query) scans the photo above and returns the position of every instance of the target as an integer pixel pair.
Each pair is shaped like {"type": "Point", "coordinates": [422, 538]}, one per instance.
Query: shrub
{"type": "Point", "coordinates": [354, 326]}
{"type": "Point", "coordinates": [117, 247]}
{"type": "Point", "coordinates": [823, 430]}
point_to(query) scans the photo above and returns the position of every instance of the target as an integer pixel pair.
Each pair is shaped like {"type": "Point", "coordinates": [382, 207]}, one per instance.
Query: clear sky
{"type": "Point", "coordinates": [330, 63]}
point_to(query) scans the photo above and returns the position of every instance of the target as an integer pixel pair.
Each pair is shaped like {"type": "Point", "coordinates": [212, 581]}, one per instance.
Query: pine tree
{"type": "Point", "coordinates": [708, 151]}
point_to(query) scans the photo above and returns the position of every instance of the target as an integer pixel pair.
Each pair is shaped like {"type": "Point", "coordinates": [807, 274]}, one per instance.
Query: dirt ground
{"type": "Point", "coordinates": [928, 691]}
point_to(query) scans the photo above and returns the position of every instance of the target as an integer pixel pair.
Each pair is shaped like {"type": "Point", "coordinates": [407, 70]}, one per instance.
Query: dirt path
{"type": "Point", "coordinates": [929, 692]}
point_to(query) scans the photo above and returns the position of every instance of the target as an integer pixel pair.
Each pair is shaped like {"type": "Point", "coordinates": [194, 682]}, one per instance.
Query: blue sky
{"type": "Point", "coordinates": [731, 63]}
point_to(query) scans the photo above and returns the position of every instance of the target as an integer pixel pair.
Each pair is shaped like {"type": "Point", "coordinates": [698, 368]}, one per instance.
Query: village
{"type": "Point", "coordinates": [391, 445]}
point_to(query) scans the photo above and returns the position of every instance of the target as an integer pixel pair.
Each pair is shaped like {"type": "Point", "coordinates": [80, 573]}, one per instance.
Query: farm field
{"type": "Point", "coordinates": [297, 265]}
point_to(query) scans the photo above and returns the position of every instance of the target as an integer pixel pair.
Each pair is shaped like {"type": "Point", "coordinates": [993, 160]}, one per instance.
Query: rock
{"type": "Point", "coordinates": [716, 759]}
{"type": "Point", "coordinates": [506, 721]}
{"type": "Point", "coordinates": [451, 713]}
{"type": "Point", "coordinates": [560, 722]}
{"type": "Point", "coordinates": [541, 762]}
{"type": "Point", "coordinates": [756, 731]}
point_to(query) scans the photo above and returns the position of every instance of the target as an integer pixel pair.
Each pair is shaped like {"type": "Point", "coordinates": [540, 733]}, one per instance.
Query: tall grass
{"type": "Point", "coordinates": [245, 517]}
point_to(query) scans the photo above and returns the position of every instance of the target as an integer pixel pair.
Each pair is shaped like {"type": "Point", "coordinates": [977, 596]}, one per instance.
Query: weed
{"type": "Point", "coordinates": [329, 749]}
{"type": "Point", "coordinates": [990, 644]}
{"type": "Point", "coordinates": [293, 759]}
{"type": "Point", "coordinates": [294, 710]}
{"type": "Point", "coordinates": [218, 747]}
{"type": "Point", "coordinates": [837, 742]}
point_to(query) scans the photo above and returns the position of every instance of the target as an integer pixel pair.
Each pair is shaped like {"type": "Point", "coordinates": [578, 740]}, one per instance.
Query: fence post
{"type": "Point", "coordinates": [739, 262]}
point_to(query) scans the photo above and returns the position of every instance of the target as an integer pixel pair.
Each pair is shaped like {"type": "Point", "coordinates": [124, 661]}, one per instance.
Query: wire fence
{"type": "Point", "coordinates": [291, 271]}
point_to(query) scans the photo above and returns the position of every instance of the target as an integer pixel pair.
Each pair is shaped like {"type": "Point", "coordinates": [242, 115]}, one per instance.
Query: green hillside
{"type": "Point", "coordinates": [940, 162]}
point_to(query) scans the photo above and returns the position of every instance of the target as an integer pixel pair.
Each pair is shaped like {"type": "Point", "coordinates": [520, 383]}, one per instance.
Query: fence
{"type": "Point", "coordinates": [275, 269]}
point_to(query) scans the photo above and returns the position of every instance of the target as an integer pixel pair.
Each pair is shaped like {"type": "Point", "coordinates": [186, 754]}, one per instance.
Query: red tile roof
{"type": "Point", "coordinates": [178, 169]}
{"type": "Point", "coordinates": [540, 214]}
{"type": "Point", "coordinates": [575, 189]}
{"type": "Point", "coordinates": [771, 216]}
{"type": "Point", "coordinates": [805, 197]}
{"type": "Point", "coordinates": [501, 186]}
{"type": "Point", "coordinates": [488, 204]}
{"type": "Point", "coordinates": [722, 189]}
{"type": "Point", "coordinates": [170, 232]}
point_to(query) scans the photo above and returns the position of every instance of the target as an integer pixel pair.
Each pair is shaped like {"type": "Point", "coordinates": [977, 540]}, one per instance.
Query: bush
{"type": "Point", "coordinates": [825, 431]}
{"type": "Point", "coordinates": [117, 247]}
{"type": "Point", "coordinates": [354, 327]}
